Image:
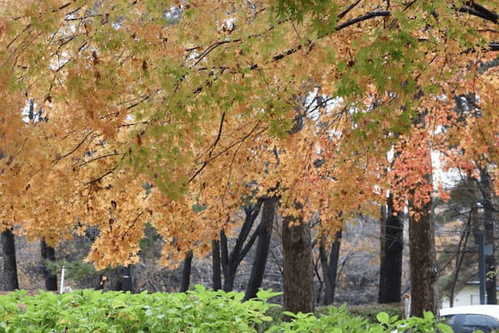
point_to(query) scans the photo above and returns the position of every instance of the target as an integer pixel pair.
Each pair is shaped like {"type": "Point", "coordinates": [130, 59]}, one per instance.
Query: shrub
{"type": "Point", "coordinates": [197, 311]}
{"type": "Point", "coordinates": [339, 320]}
{"type": "Point", "coordinates": [93, 311]}
{"type": "Point", "coordinates": [370, 311]}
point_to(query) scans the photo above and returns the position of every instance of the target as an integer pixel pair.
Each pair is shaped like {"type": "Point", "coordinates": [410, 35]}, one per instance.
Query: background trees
{"type": "Point", "coordinates": [216, 113]}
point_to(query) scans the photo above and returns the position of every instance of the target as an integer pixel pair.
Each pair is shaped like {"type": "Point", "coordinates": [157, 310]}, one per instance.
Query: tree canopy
{"type": "Point", "coordinates": [117, 114]}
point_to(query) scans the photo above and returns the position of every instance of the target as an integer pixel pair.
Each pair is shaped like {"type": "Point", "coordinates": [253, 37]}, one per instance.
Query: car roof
{"type": "Point", "coordinates": [489, 310]}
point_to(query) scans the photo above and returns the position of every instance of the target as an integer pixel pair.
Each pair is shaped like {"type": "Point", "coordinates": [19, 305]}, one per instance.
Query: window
{"type": "Point", "coordinates": [479, 322]}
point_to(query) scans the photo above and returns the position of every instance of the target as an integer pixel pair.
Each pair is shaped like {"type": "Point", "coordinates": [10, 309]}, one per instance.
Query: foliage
{"type": "Point", "coordinates": [118, 114]}
{"type": "Point", "coordinates": [338, 320]}
{"type": "Point", "coordinates": [200, 310]}
{"type": "Point", "coordinates": [74, 270]}
{"type": "Point", "coordinates": [370, 311]}
{"type": "Point", "coordinates": [92, 311]}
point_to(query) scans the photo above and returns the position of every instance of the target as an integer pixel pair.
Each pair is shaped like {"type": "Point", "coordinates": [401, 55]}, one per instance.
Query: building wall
{"type": "Point", "coordinates": [469, 295]}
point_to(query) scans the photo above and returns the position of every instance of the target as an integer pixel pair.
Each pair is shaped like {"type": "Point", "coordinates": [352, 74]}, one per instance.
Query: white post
{"type": "Point", "coordinates": [61, 288]}
{"type": "Point", "coordinates": [407, 305]}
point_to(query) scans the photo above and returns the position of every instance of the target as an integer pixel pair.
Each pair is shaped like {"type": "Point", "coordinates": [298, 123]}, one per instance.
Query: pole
{"type": "Point", "coordinates": [61, 288]}
{"type": "Point", "coordinates": [481, 265]}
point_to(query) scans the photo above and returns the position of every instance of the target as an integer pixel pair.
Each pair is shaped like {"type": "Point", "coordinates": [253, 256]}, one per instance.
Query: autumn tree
{"type": "Point", "coordinates": [475, 154]}
{"type": "Point", "coordinates": [214, 113]}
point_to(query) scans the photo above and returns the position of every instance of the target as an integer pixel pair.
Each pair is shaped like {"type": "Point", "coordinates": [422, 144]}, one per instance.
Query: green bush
{"type": "Point", "coordinates": [115, 312]}
{"type": "Point", "coordinates": [197, 311]}
{"type": "Point", "coordinates": [370, 311]}
{"type": "Point", "coordinates": [339, 320]}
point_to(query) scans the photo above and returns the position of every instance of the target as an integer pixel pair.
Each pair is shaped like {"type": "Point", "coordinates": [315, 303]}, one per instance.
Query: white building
{"type": "Point", "coordinates": [469, 295]}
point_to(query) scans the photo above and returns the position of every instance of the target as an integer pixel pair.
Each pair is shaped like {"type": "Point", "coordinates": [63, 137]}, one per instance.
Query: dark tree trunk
{"type": "Point", "coordinates": [463, 241]}
{"type": "Point", "coordinates": [330, 267]}
{"type": "Point", "coordinates": [113, 279]}
{"type": "Point", "coordinates": [9, 269]}
{"type": "Point", "coordinates": [186, 272]}
{"type": "Point", "coordinates": [216, 265]}
{"type": "Point", "coordinates": [48, 254]}
{"type": "Point", "coordinates": [423, 263]}
{"type": "Point", "coordinates": [228, 266]}
{"type": "Point", "coordinates": [298, 266]}
{"type": "Point", "coordinates": [126, 279]}
{"type": "Point", "coordinates": [489, 226]}
{"type": "Point", "coordinates": [262, 247]}
{"type": "Point", "coordinates": [392, 245]}
{"type": "Point", "coordinates": [231, 260]}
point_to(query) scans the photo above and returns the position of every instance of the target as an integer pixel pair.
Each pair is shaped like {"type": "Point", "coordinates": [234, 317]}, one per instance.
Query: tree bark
{"type": "Point", "coordinates": [330, 267]}
{"type": "Point", "coordinates": [262, 247]}
{"type": "Point", "coordinates": [48, 254]}
{"type": "Point", "coordinates": [228, 267]}
{"type": "Point", "coordinates": [392, 245]}
{"type": "Point", "coordinates": [424, 295]}
{"type": "Point", "coordinates": [186, 272]}
{"type": "Point", "coordinates": [463, 241]}
{"type": "Point", "coordinates": [9, 269]}
{"type": "Point", "coordinates": [125, 279]}
{"type": "Point", "coordinates": [216, 265]}
{"type": "Point", "coordinates": [231, 260]}
{"type": "Point", "coordinates": [298, 266]}
{"type": "Point", "coordinates": [489, 226]}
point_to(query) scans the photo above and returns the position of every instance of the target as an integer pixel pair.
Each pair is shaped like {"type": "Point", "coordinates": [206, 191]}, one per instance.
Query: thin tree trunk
{"type": "Point", "coordinates": [231, 260]}
{"type": "Point", "coordinates": [262, 247]}
{"type": "Point", "coordinates": [298, 266]}
{"type": "Point", "coordinates": [186, 272]}
{"type": "Point", "coordinates": [390, 275]}
{"type": "Point", "coordinates": [227, 265]}
{"type": "Point", "coordinates": [216, 265]}
{"type": "Point", "coordinates": [463, 241]}
{"type": "Point", "coordinates": [489, 226]}
{"type": "Point", "coordinates": [424, 295]}
{"type": "Point", "coordinates": [48, 254]}
{"type": "Point", "coordinates": [330, 267]}
{"type": "Point", "coordinates": [9, 269]}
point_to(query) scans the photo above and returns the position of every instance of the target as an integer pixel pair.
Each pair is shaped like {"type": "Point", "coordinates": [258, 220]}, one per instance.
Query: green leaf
{"type": "Point", "coordinates": [444, 328]}
{"type": "Point", "coordinates": [383, 318]}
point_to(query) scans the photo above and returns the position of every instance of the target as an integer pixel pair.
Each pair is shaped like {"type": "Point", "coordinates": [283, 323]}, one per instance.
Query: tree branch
{"type": "Point", "coordinates": [364, 17]}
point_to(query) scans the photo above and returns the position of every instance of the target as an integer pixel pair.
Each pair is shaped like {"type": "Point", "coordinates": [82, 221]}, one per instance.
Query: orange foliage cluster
{"type": "Point", "coordinates": [179, 124]}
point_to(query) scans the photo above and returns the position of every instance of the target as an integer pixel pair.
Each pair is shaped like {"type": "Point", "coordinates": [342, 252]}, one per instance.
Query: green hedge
{"type": "Point", "coordinates": [369, 311]}
{"type": "Point", "coordinates": [197, 311]}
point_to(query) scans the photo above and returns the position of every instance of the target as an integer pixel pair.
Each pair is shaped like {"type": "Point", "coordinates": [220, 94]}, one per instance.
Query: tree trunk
{"type": "Point", "coordinates": [231, 260]}
{"type": "Point", "coordinates": [125, 279]}
{"type": "Point", "coordinates": [262, 248]}
{"type": "Point", "coordinates": [330, 267]}
{"type": "Point", "coordinates": [186, 272]}
{"type": "Point", "coordinates": [9, 269]}
{"type": "Point", "coordinates": [113, 279]}
{"type": "Point", "coordinates": [489, 224]}
{"type": "Point", "coordinates": [298, 266]}
{"type": "Point", "coordinates": [461, 247]}
{"type": "Point", "coordinates": [423, 263]}
{"type": "Point", "coordinates": [48, 254]}
{"type": "Point", "coordinates": [228, 269]}
{"type": "Point", "coordinates": [216, 265]}
{"type": "Point", "coordinates": [392, 245]}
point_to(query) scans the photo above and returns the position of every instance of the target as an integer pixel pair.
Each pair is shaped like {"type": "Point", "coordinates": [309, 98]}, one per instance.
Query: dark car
{"type": "Point", "coordinates": [469, 319]}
